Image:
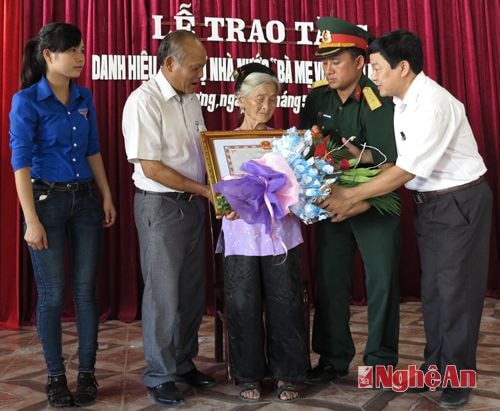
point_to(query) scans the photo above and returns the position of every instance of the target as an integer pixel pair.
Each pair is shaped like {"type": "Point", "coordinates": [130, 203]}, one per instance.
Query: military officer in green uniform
{"type": "Point", "coordinates": [344, 105]}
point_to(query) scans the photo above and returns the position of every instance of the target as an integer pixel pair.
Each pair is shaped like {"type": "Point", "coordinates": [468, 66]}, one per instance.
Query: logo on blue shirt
{"type": "Point", "coordinates": [83, 111]}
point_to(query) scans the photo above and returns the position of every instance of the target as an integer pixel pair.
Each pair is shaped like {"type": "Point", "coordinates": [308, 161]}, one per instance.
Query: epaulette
{"type": "Point", "coordinates": [319, 83]}
{"type": "Point", "coordinates": [371, 98]}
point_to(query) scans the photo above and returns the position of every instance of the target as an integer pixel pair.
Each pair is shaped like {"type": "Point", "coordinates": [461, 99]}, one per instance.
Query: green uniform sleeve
{"type": "Point", "coordinates": [379, 130]}
{"type": "Point", "coordinates": [308, 115]}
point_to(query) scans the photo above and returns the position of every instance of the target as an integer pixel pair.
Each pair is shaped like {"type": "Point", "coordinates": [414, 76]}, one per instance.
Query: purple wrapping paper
{"type": "Point", "coordinates": [246, 194]}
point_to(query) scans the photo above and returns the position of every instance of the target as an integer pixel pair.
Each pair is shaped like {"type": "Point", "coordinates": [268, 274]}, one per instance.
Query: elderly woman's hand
{"type": "Point", "coordinates": [230, 215]}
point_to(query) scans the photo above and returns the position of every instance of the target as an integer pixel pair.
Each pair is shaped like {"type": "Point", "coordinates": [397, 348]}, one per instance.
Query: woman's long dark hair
{"type": "Point", "coordinates": [56, 37]}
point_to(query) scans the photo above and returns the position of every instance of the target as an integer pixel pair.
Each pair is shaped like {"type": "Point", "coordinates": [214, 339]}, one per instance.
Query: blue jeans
{"type": "Point", "coordinates": [77, 216]}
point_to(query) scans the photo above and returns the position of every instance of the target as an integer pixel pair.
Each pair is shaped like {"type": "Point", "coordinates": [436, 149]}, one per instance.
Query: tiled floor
{"type": "Point", "coordinates": [120, 362]}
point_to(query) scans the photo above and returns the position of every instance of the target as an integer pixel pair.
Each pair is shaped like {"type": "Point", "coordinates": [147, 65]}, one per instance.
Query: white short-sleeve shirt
{"type": "Point", "coordinates": [434, 138]}
{"type": "Point", "coordinates": [159, 124]}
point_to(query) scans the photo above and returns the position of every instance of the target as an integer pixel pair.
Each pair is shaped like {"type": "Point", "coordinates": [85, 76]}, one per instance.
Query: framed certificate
{"type": "Point", "coordinates": [225, 151]}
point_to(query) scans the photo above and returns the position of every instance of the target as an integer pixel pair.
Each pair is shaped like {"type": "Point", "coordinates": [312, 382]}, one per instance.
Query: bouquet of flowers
{"type": "Point", "coordinates": [351, 174]}
{"type": "Point", "coordinates": [313, 161]}
{"type": "Point", "coordinates": [314, 174]}
{"type": "Point", "coordinates": [271, 186]}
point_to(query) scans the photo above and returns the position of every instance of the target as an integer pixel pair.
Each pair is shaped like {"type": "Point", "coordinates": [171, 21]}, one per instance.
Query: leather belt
{"type": "Point", "coordinates": [421, 197]}
{"type": "Point", "coordinates": [175, 195]}
{"type": "Point", "coordinates": [80, 185]}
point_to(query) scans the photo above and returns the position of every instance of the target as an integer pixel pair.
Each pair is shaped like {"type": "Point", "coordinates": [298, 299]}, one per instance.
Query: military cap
{"type": "Point", "coordinates": [242, 72]}
{"type": "Point", "coordinates": [337, 34]}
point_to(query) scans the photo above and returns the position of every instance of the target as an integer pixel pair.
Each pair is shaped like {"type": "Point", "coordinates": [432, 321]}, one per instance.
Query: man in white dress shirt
{"type": "Point", "coordinates": [438, 159]}
{"type": "Point", "coordinates": [161, 124]}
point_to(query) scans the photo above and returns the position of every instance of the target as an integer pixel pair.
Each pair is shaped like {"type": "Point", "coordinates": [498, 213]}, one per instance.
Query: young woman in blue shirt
{"type": "Point", "coordinates": [58, 170]}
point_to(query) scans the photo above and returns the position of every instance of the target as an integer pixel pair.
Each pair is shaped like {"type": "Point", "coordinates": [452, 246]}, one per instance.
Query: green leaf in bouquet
{"type": "Point", "coordinates": [222, 205]}
{"type": "Point", "coordinates": [355, 176]}
{"type": "Point", "coordinates": [336, 152]}
{"type": "Point", "coordinates": [387, 204]}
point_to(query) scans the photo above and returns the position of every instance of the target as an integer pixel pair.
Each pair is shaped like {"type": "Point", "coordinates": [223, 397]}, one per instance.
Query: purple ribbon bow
{"type": "Point", "coordinates": [252, 194]}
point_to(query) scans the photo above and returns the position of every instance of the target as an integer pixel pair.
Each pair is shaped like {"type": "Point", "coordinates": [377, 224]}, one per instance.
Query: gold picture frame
{"type": "Point", "coordinates": [225, 151]}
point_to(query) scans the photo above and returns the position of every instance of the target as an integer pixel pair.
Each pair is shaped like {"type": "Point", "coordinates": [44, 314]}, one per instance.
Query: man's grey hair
{"type": "Point", "coordinates": [172, 45]}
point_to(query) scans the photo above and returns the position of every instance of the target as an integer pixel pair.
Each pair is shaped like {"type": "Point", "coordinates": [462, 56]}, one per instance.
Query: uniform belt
{"type": "Point", "coordinates": [175, 195]}
{"type": "Point", "coordinates": [423, 197]}
{"type": "Point", "coordinates": [80, 185]}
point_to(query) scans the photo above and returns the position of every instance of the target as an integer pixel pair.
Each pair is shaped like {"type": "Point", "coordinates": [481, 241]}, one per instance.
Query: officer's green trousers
{"type": "Point", "coordinates": [378, 239]}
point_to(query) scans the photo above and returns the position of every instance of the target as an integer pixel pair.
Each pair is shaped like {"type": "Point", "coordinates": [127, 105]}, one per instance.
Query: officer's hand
{"type": "Point", "coordinates": [338, 202]}
{"type": "Point", "coordinates": [315, 130]}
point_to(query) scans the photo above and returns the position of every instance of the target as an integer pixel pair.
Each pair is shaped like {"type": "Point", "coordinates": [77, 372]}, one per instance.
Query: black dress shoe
{"type": "Point", "coordinates": [196, 378]}
{"type": "Point", "coordinates": [166, 394]}
{"type": "Point", "coordinates": [323, 374]}
{"type": "Point", "coordinates": [454, 397]}
{"type": "Point", "coordinates": [58, 393]}
{"type": "Point", "coordinates": [86, 389]}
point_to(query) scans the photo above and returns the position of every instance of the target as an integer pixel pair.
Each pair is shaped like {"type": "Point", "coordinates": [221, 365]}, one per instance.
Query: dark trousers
{"type": "Point", "coordinates": [250, 283]}
{"type": "Point", "coordinates": [453, 235]}
{"type": "Point", "coordinates": [378, 239]}
{"type": "Point", "coordinates": [172, 246]}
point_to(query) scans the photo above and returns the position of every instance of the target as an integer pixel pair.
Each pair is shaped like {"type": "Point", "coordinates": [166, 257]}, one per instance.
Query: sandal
{"type": "Point", "coordinates": [286, 387]}
{"type": "Point", "coordinates": [250, 386]}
